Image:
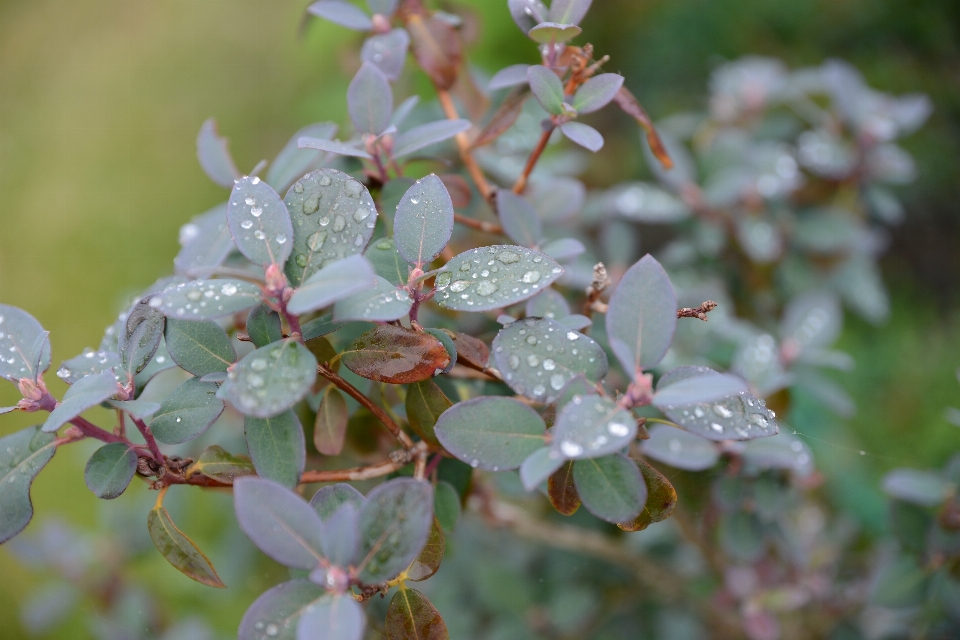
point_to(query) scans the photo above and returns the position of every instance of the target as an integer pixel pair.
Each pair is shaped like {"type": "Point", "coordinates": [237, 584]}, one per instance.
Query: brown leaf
{"type": "Point", "coordinates": [471, 351]}
{"type": "Point", "coordinates": [396, 355]}
{"type": "Point", "coordinates": [661, 499]}
{"type": "Point", "coordinates": [631, 106]}
{"type": "Point", "coordinates": [458, 189]}
{"type": "Point", "coordinates": [504, 117]}
{"type": "Point", "coordinates": [411, 616]}
{"type": "Point", "coordinates": [179, 550]}
{"type": "Point", "coordinates": [561, 490]}
{"type": "Point", "coordinates": [436, 46]}
{"type": "Point", "coordinates": [428, 562]}
{"type": "Point", "coordinates": [330, 428]}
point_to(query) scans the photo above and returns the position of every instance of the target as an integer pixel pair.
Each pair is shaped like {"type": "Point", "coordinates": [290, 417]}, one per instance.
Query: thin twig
{"type": "Point", "coordinates": [697, 312]}
{"type": "Point", "coordinates": [358, 395]}
{"type": "Point", "coordinates": [479, 225]}
{"type": "Point", "coordinates": [521, 182]}
{"type": "Point", "coordinates": [463, 145]}
{"type": "Point", "coordinates": [91, 430]}
{"type": "Point", "coordinates": [151, 441]}
{"type": "Point", "coordinates": [398, 460]}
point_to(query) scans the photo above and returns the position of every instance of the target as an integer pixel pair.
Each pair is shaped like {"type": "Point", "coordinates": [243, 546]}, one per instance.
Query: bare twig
{"type": "Point", "coordinates": [697, 312]}
{"type": "Point", "coordinates": [463, 145]}
{"type": "Point", "coordinates": [479, 225]}
{"type": "Point", "coordinates": [357, 395]}
{"type": "Point", "coordinates": [521, 182]}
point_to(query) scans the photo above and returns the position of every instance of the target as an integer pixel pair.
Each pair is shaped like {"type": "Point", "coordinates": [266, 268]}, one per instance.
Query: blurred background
{"type": "Point", "coordinates": [100, 102]}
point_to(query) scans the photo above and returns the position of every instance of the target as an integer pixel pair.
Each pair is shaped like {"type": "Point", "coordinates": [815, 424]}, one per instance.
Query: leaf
{"type": "Point", "coordinates": [199, 347]}
{"type": "Point", "coordinates": [22, 455]}
{"type": "Point", "coordinates": [554, 32]}
{"type": "Point", "coordinates": [278, 610]}
{"type": "Point", "coordinates": [370, 100]}
{"type": "Point", "coordinates": [661, 499]}
{"type": "Point", "coordinates": [332, 616]}
{"type": "Point", "coordinates": [139, 409]}
{"type": "Point", "coordinates": [396, 355]}
{"type": "Point", "coordinates": [187, 412]}
{"type": "Point", "coordinates": [383, 7]}
{"type": "Point", "coordinates": [218, 463]}
{"type": "Point", "coordinates": [329, 498]}
{"type": "Point", "coordinates": [527, 13]}
{"type": "Point", "coordinates": [471, 350]}
{"type": "Point", "coordinates": [556, 198]}
{"type": "Point", "coordinates": [510, 76]}
{"type": "Point", "coordinates": [341, 535]}
{"type": "Point", "coordinates": [592, 427]}
{"type": "Point", "coordinates": [549, 303]}
{"type": "Point", "coordinates": [424, 221]}
{"type": "Point", "coordinates": [741, 536]}
{"type": "Point", "coordinates": [924, 488]}
{"type": "Point", "coordinates": [179, 550]}
{"type": "Point", "coordinates": [425, 403]}
{"type": "Point", "coordinates": [505, 116]}
{"type": "Point", "coordinates": [563, 249]}
{"type": "Point", "coordinates": [631, 106]}
{"type": "Point", "coordinates": [562, 490]}
{"type": "Point", "coordinates": [428, 562]}
{"type": "Point", "coordinates": [436, 46]}
{"type": "Point", "coordinates": [349, 149]}
{"type": "Point", "coordinates": [337, 281]}
{"type": "Point", "coordinates": [491, 432]}
{"type": "Point", "coordinates": [547, 89]}
{"type": "Point", "coordinates": [292, 161]}
{"type": "Point", "coordinates": [539, 356]}
{"type": "Point", "coordinates": [426, 135]}
{"type": "Point", "coordinates": [395, 522]}
{"type": "Point", "coordinates": [446, 505]}
{"type": "Point", "coordinates": [493, 277]}
{"type": "Point", "coordinates": [901, 583]}
{"type": "Point", "coordinates": [611, 488]}
{"type": "Point", "coordinates": [382, 302]}
{"type": "Point", "coordinates": [342, 13]}
{"type": "Point", "coordinates": [330, 427]}
{"type": "Point", "coordinates": [213, 152]}
{"type": "Point", "coordinates": [206, 299]}
{"type": "Point", "coordinates": [569, 11]}
{"type": "Point", "coordinates": [85, 394]}
{"type": "Point", "coordinates": [161, 362]}
{"type": "Point", "coordinates": [812, 320]}
{"type": "Point", "coordinates": [205, 243]}
{"type": "Point", "coordinates": [110, 469]}
{"type": "Point", "coordinates": [140, 336]}
{"type": "Point", "coordinates": [781, 451]}
{"type": "Point", "coordinates": [584, 135]}
{"type": "Point", "coordinates": [539, 466]}
{"type": "Point", "coordinates": [387, 51]}
{"type": "Point", "coordinates": [263, 326]}
{"type": "Point", "coordinates": [411, 616]}
{"type": "Point", "coordinates": [679, 449]}
{"type": "Point", "coordinates": [698, 389]}
{"type": "Point", "coordinates": [320, 326]}
{"type": "Point", "coordinates": [277, 447]}
{"type": "Point", "coordinates": [259, 222]}
{"type": "Point", "coordinates": [278, 521]}
{"type": "Point", "coordinates": [271, 379]}
{"type": "Point", "coordinates": [597, 92]}
{"type": "Point", "coordinates": [641, 316]}
{"type": "Point", "coordinates": [387, 262]}
{"type": "Point", "coordinates": [519, 218]}
{"type": "Point", "coordinates": [89, 363]}
{"type": "Point", "coordinates": [333, 218]}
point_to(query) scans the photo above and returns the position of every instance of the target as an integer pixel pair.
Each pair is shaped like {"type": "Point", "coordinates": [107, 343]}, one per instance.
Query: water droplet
{"type": "Point", "coordinates": [315, 241]}
{"type": "Point", "coordinates": [358, 241]}
{"type": "Point", "coordinates": [414, 200]}
{"type": "Point", "coordinates": [533, 360]}
{"type": "Point", "coordinates": [570, 449]}
{"type": "Point", "coordinates": [254, 180]}
{"type": "Point", "coordinates": [259, 235]}
{"type": "Point", "coordinates": [530, 277]}
{"type": "Point", "coordinates": [339, 223]}
{"type": "Point", "coordinates": [353, 188]}
{"type": "Point", "coordinates": [698, 412]}
{"type": "Point", "coordinates": [556, 381]}
{"type": "Point", "coordinates": [459, 285]}
{"type": "Point", "coordinates": [571, 335]}
{"type": "Point", "coordinates": [716, 427]}
{"type": "Point", "coordinates": [360, 214]}
{"type": "Point", "coordinates": [228, 289]}
{"type": "Point", "coordinates": [323, 221]}
{"type": "Point", "coordinates": [281, 239]}
{"type": "Point", "coordinates": [674, 445]}
{"type": "Point", "coordinates": [193, 295]}
{"type": "Point", "coordinates": [301, 260]}
{"type": "Point", "coordinates": [549, 364]}
{"type": "Point", "coordinates": [465, 266]}
{"type": "Point", "coordinates": [531, 339]}
{"type": "Point", "coordinates": [443, 279]}
{"type": "Point", "coordinates": [246, 224]}
{"type": "Point", "coordinates": [298, 187]}
{"type": "Point", "coordinates": [539, 390]}
{"type": "Point", "coordinates": [514, 362]}
{"type": "Point", "coordinates": [508, 257]}
{"type": "Point", "coordinates": [272, 630]}
{"type": "Point", "coordinates": [324, 181]}
{"type": "Point", "coordinates": [311, 204]}
{"type": "Point", "coordinates": [722, 411]}
{"type": "Point", "coordinates": [250, 201]}
{"type": "Point", "coordinates": [474, 463]}
{"type": "Point", "coordinates": [487, 288]}
{"type": "Point", "coordinates": [256, 211]}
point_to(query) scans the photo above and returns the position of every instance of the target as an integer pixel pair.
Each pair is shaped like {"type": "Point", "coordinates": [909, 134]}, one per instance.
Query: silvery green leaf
{"type": "Point", "coordinates": [591, 427]}
{"type": "Point", "coordinates": [22, 455]}
{"type": "Point", "coordinates": [278, 521]}
{"type": "Point", "coordinates": [569, 11]}
{"type": "Point", "coordinates": [263, 326]}
{"type": "Point", "coordinates": [161, 362]}
{"type": "Point", "coordinates": [292, 161]}
{"type": "Point", "coordinates": [387, 261]}
{"type": "Point", "coordinates": [403, 110]}
{"type": "Point", "coordinates": [549, 303]}
{"type": "Point", "coordinates": [139, 409]}
{"type": "Point", "coordinates": [546, 88]}
{"type": "Point", "coordinates": [781, 451]}
{"type": "Point", "coordinates": [332, 616]}
{"type": "Point", "coordinates": [217, 376]}
{"type": "Point", "coordinates": [697, 389]}
{"type": "Point", "coordinates": [187, 412]}
{"type": "Point", "coordinates": [538, 356]}
{"type": "Point", "coordinates": [611, 487]}
{"type": "Point", "coordinates": [554, 32]}
{"type": "Point", "coordinates": [320, 327]}
{"type": "Point", "coordinates": [395, 521]}
{"type": "Point", "coordinates": [271, 379]}
{"type": "Point", "coordinates": [140, 336]}
{"type": "Point", "coordinates": [370, 100]}
{"type": "Point", "coordinates": [214, 155]}
{"type": "Point", "coordinates": [110, 470]}
{"type": "Point", "coordinates": [206, 299]}
{"type": "Point", "coordinates": [89, 363]}
{"type": "Point", "coordinates": [527, 13]}
{"type": "Point", "coordinates": [199, 347]}
{"type": "Point", "coordinates": [424, 221]}
{"type": "Point", "coordinates": [491, 432]}
{"type": "Point", "coordinates": [563, 249]}
{"type": "Point", "coordinates": [578, 386]}
{"type": "Point", "coordinates": [259, 222]}
{"type": "Point", "coordinates": [383, 7]}
{"type": "Point", "coordinates": [342, 13]}
{"type": "Point", "coordinates": [924, 488]}
{"type": "Point", "coordinates": [388, 51]}
{"type": "Point", "coordinates": [279, 610]}
{"type": "Point", "coordinates": [494, 277]}
{"type": "Point", "coordinates": [333, 146]}
{"type": "Point", "coordinates": [597, 92]}
{"type": "Point", "coordinates": [812, 320]}
{"type": "Point", "coordinates": [205, 243]}
{"type": "Point", "coordinates": [519, 218]}
{"type": "Point", "coordinates": [333, 218]}
{"type": "Point", "coordinates": [511, 76]}
{"type": "Point", "coordinates": [643, 202]}
{"type": "Point", "coordinates": [679, 449]}
{"type": "Point", "coordinates": [337, 281]}
{"type": "Point", "coordinates": [427, 134]}
{"type": "Point", "coordinates": [539, 466]}
{"type": "Point", "coordinates": [85, 394]}
{"type": "Point", "coordinates": [556, 198]}
{"type": "Point", "coordinates": [19, 333]}
{"type": "Point", "coordinates": [641, 316]}
{"type": "Point", "coordinates": [328, 499]}
{"type": "Point", "coordinates": [583, 134]}
{"type": "Point", "coordinates": [5, 410]}
{"type": "Point", "coordinates": [576, 322]}
{"type": "Point", "coordinates": [383, 302]}
{"type": "Point", "coordinates": [277, 447]}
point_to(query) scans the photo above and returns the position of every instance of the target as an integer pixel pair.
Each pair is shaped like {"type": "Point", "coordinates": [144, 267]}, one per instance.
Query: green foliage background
{"type": "Point", "coordinates": [100, 102]}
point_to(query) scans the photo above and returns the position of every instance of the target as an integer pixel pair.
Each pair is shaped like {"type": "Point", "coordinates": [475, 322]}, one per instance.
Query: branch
{"type": "Point", "coordinates": [151, 441]}
{"type": "Point", "coordinates": [697, 312]}
{"type": "Point", "coordinates": [91, 430]}
{"type": "Point", "coordinates": [597, 286]}
{"type": "Point", "coordinates": [521, 182]}
{"type": "Point", "coordinates": [463, 145]}
{"type": "Point", "coordinates": [357, 395]}
{"type": "Point", "coordinates": [479, 225]}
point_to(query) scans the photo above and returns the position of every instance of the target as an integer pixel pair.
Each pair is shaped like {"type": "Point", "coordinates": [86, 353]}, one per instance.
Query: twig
{"type": "Point", "coordinates": [597, 286]}
{"type": "Point", "coordinates": [479, 225]}
{"type": "Point", "coordinates": [357, 395]}
{"type": "Point", "coordinates": [697, 312]}
{"type": "Point", "coordinates": [463, 145]}
{"type": "Point", "coordinates": [521, 182]}
{"type": "Point", "coordinates": [91, 430]}
{"type": "Point", "coordinates": [151, 441]}
{"type": "Point", "coordinates": [398, 460]}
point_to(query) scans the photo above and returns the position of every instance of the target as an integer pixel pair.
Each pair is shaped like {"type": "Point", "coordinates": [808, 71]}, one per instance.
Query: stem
{"type": "Point", "coordinates": [91, 430]}
{"type": "Point", "coordinates": [521, 182]}
{"type": "Point", "coordinates": [463, 145]}
{"type": "Point", "coordinates": [357, 395]}
{"type": "Point", "coordinates": [151, 441]}
{"type": "Point", "coordinates": [479, 225]}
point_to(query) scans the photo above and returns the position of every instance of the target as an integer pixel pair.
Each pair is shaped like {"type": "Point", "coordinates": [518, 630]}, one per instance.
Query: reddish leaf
{"type": "Point", "coordinates": [396, 355]}
{"type": "Point", "coordinates": [458, 189]}
{"type": "Point", "coordinates": [436, 46]}
{"type": "Point", "coordinates": [428, 562]}
{"type": "Point", "coordinates": [631, 106]}
{"type": "Point", "coordinates": [471, 351]}
{"type": "Point", "coordinates": [411, 616]}
{"type": "Point", "coordinates": [504, 117]}
{"type": "Point", "coordinates": [330, 428]}
{"type": "Point", "coordinates": [562, 492]}
{"type": "Point", "coordinates": [661, 499]}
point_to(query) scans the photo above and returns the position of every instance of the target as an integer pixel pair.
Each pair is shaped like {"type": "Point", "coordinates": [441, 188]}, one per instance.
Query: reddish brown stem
{"type": "Point", "coordinates": [144, 430]}
{"type": "Point", "coordinates": [91, 430]}
{"type": "Point", "coordinates": [463, 145]}
{"type": "Point", "coordinates": [357, 395]}
{"type": "Point", "coordinates": [479, 225]}
{"type": "Point", "coordinates": [521, 182]}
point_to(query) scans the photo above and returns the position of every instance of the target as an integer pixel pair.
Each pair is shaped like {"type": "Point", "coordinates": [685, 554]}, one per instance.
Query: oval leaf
{"type": "Point", "coordinates": [661, 499]}
{"type": "Point", "coordinates": [395, 521]}
{"type": "Point", "coordinates": [85, 394]}
{"type": "Point", "coordinates": [259, 222]}
{"type": "Point", "coordinates": [387, 262]}
{"type": "Point", "coordinates": [539, 466]}
{"type": "Point", "coordinates": [333, 616]}
{"type": "Point", "coordinates": [611, 488]}
{"type": "Point", "coordinates": [292, 161]}
{"type": "Point", "coordinates": [199, 347]}
{"type": "Point", "coordinates": [436, 46]}
{"type": "Point", "coordinates": [330, 427]}
{"type": "Point", "coordinates": [279, 522]}
{"type": "Point", "coordinates": [89, 363]}
{"type": "Point", "coordinates": [549, 303]}
{"type": "Point", "coordinates": [446, 505]}
{"type": "Point", "coordinates": [509, 77]}
{"type": "Point", "coordinates": [396, 355]}
{"type": "Point", "coordinates": [554, 32]}
{"type": "Point", "coordinates": [213, 152]}
{"type": "Point", "coordinates": [336, 281]}
{"type": "Point", "coordinates": [370, 100]}
{"type": "Point", "coordinates": [569, 11]}
{"type": "Point", "coordinates": [383, 302]}
{"type": "Point", "coordinates": [591, 427]}
{"type": "Point", "coordinates": [179, 550]}
{"type": "Point", "coordinates": [387, 51]}
{"type": "Point", "coordinates": [428, 134]}
{"type": "Point", "coordinates": [187, 412]}
{"type": "Point", "coordinates": [333, 146]}
{"type": "Point", "coordinates": [697, 389]}
{"type": "Point", "coordinates": [527, 13]}
{"type": "Point", "coordinates": [277, 612]}
{"type": "Point", "coordinates": [342, 13]}
{"type": "Point", "coordinates": [491, 432]}
{"type": "Point", "coordinates": [562, 490]}
{"type": "Point", "coordinates": [22, 455]}
{"type": "Point", "coordinates": [277, 447]}
{"type": "Point", "coordinates": [424, 221]}
{"type": "Point", "coordinates": [140, 337]}
{"type": "Point", "coordinates": [584, 135]}
{"type": "Point", "coordinates": [428, 562]}
{"type": "Point", "coordinates": [271, 379]}
{"type": "Point", "coordinates": [263, 326]}
{"type": "Point", "coordinates": [597, 92]}
{"type": "Point", "coordinates": [110, 469]}
{"type": "Point", "coordinates": [471, 351]}
{"type": "Point", "coordinates": [563, 248]}
{"type": "Point", "coordinates": [411, 616]}
{"type": "Point", "coordinates": [205, 243]}
{"type": "Point", "coordinates": [206, 299]}
{"type": "Point", "coordinates": [679, 449]}
{"type": "Point", "coordinates": [519, 218]}
{"type": "Point", "coordinates": [328, 499]}
{"type": "Point", "coordinates": [546, 88]}
{"type": "Point", "coordinates": [925, 488]}
{"type": "Point", "coordinates": [425, 403]}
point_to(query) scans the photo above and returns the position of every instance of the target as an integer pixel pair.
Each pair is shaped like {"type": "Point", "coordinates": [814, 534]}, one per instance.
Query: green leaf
{"type": "Point", "coordinates": [611, 488]}
{"type": "Point", "coordinates": [924, 488]}
{"type": "Point", "coordinates": [424, 221]}
{"type": "Point", "coordinates": [110, 470]}
{"type": "Point", "coordinates": [278, 611]}
{"type": "Point", "coordinates": [562, 490]}
{"type": "Point", "coordinates": [388, 51]}
{"type": "Point", "coordinates": [782, 451]}
{"type": "Point", "coordinates": [206, 299]}
{"type": "Point", "coordinates": [179, 550]}
{"type": "Point", "coordinates": [592, 427]}
{"type": "Point", "coordinates": [813, 320]}
{"type": "Point", "coordinates": [140, 336]}
{"type": "Point", "coordinates": [85, 394]}
{"type": "Point", "coordinates": [383, 302]}
{"type": "Point", "coordinates": [494, 277]}
{"type": "Point", "coordinates": [387, 261]}
{"type": "Point", "coordinates": [279, 522]}
{"type": "Point", "coordinates": [187, 412]}
{"type": "Point", "coordinates": [320, 327]}
{"type": "Point", "coordinates": [539, 466]}
{"type": "Point", "coordinates": [425, 135]}
{"type": "Point", "coordinates": [277, 447]}
{"type": "Point", "coordinates": [549, 303]}
{"type": "Point", "coordinates": [139, 409]}
{"type": "Point", "coordinates": [428, 562]}
{"type": "Point", "coordinates": [568, 11]}
{"type": "Point", "coordinates": [741, 536]}
{"type": "Point", "coordinates": [292, 162]}
{"type": "Point", "coordinates": [597, 92]}
{"type": "Point", "coordinates": [205, 242]}
{"type": "Point", "coordinates": [271, 379]}
{"type": "Point", "coordinates": [661, 499]}
{"type": "Point", "coordinates": [395, 522]}
{"type": "Point", "coordinates": [218, 463]}
{"type": "Point", "coordinates": [411, 616]}
{"type": "Point", "coordinates": [199, 347]}
{"type": "Point", "coordinates": [259, 222]}
{"type": "Point", "coordinates": [396, 355]}
{"type": "Point", "coordinates": [22, 455]}
{"type": "Point", "coordinates": [445, 337]}
{"type": "Point", "coordinates": [161, 362]}
{"type": "Point", "coordinates": [337, 281]}
{"type": "Point", "coordinates": [329, 498]}
{"type": "Point", "coordinates": [90, 363]}
{"type": "Point", "coordinates": [679, 449]}
{"type": "Point", "coordinates": [547, 88]}
{"type": "Point", "coordinates": [642, 316]}
{"type": "Point", "coordinates": [263, 326]}
{"type": "Point", "coordinates": [491, 432]}
{"type": "Point", "coordinates": [330, 427]}
{"type": "Point", "coordinates": [446, 505]}
{"type": "Point", "coordinates": [554, 33]}
{"type": "Point", "coordinates": [333, 218]}
{"type": "Point", "coordinates": [425, 403]}
{"type": "Point", "coordinates": [583, 135]}
{"type": "Point", "coordinates": [370, 100]}
{"type": "Point", "coordinates": [213, 152]}
{"type": "Point", "coordinates": [539, 356]}
{"type": "Point", "coordinates": [695, 385]}
{"type": "Point", "coordinates": [519, 218]}
{"type": "Point", "coordinates": [333, 616]}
